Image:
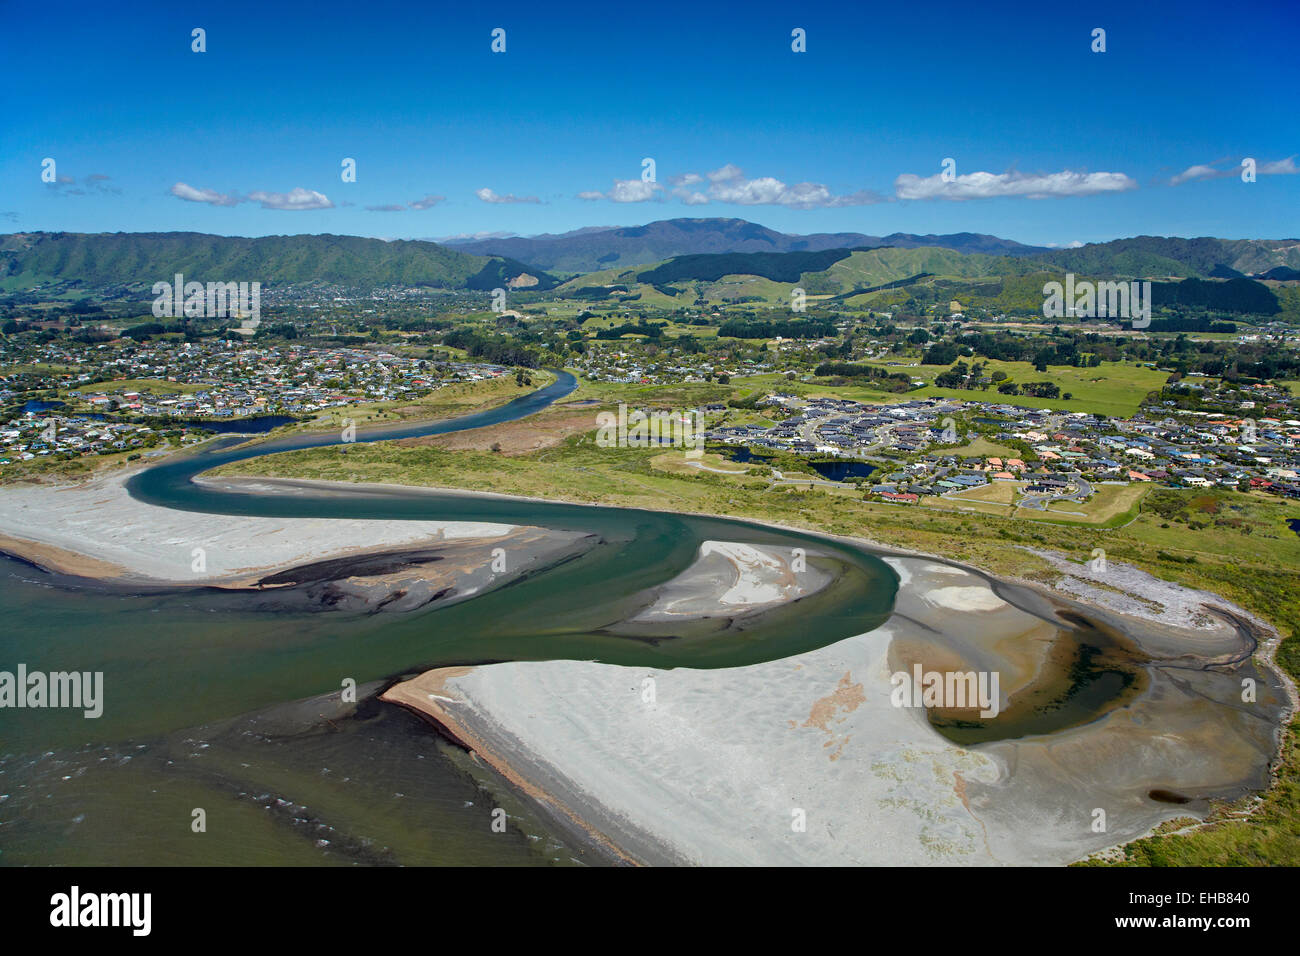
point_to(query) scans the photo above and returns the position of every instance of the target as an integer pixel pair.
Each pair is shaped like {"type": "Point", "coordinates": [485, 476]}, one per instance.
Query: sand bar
{"type": "Point", "coordinates": [97, 529]}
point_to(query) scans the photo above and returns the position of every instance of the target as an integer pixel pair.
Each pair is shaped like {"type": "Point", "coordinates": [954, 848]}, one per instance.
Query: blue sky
{"type": "Point", "coordinates": [1052, 143]}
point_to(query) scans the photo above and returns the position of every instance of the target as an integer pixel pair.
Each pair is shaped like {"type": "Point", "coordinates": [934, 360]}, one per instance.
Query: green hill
{"type": "Point", "coordinates": [108, 260]}
{"type": "Point", "coordinates": [871, 268]}
{"type": "Point", "coordinates": [1161, 256]}
{"type": "Point", "coordinates": [778, 266]}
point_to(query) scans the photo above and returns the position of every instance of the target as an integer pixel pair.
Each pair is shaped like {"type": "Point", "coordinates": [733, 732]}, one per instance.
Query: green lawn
{"type": "Point", "coordinates": [1112, 388]}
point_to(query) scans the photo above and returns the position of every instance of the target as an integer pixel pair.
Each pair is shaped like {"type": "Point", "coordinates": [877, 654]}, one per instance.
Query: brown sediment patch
{"type": "Point", "coordinates": [847, 697]}
{"type": "Point", "coordinates": [60, 560]}
{"type": "Point", "coordinates": [544, 430]}
{"type": "Point", "coordinates": [428, 697]}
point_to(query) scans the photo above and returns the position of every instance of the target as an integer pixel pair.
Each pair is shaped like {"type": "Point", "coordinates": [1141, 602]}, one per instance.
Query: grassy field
{"type": "Point", "coordinates": [154, 385]}
{"type": "Point", "coordinates": [1110, 505]}
{"type": "Point", "coordinates": [676, 463]}
{"type": "Point", "coordinates": [855, 393]}
{"type": "Point", "coordinates": [634, 395]}
{"type": "Point", "coordinates": [995, 492]}
{"type": "Point", "coordinates": [1112, 388]}
{"type": "Point", "coordinates": [981, 447]}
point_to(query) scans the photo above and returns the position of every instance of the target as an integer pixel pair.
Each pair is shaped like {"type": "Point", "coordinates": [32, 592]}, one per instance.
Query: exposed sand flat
{"type": "Point", "coordinates": [721, 766]}
{"type": "Point", "coordinates": [717, 766]}
{"type": "Point", "coordinates": [97, 528]}
{"type": "Point", "coordinates": [732, 578]}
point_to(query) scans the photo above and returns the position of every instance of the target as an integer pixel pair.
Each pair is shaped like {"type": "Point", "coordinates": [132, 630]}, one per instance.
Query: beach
{"type": "Point", "coordinates": [804, 760]}
{"type": "Point", "coordinates": [723, 767]}
{"type": "Point", "coordinates": [96, 529]}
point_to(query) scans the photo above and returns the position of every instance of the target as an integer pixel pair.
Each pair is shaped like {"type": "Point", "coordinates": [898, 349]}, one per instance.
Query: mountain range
{"type": "Point", "coordinates": [660, 253]}
{"type": "Point", "coordinates": [121, 259]}
{"type": "Point", "coordinates": [592, 249]}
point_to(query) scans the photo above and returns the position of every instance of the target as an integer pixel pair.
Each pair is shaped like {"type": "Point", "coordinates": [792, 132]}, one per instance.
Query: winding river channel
{"type": "Point", "coordinates": [226, 708]}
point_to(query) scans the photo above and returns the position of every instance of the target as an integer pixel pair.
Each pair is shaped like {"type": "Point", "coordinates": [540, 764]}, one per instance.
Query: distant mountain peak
{"type": "Point", "coordinates": [593, 249]}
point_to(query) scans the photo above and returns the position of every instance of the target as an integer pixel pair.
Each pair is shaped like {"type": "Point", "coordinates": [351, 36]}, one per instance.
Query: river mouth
{"type": "Point", "coordinates": [198, 675]}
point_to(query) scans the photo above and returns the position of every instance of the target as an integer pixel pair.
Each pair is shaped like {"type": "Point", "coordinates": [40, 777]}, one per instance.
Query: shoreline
{"type": "Point", "coordinates": [519, 766]}
{"type": "Point", "coordinates": [1095, 598]}
{"type": "Point", "coordinates": [633, 769]}
{"type": "Point", "coordinates": [419, 696]}
{"type": "Point", "coordinates": [95, 529]}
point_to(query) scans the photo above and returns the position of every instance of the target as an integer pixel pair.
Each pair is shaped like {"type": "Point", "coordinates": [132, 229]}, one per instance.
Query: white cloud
{"type": "Point", "coordinates": [728, 184]}
{"type": "Point", "coordinates": [634, 190]}
{"type": "Point", "coordinates": [95, 183]}
{"type": "Point", "coordinates": [209, 196]}
{"type": "Point", "coordinates": [983, 185]}
{"type": "Point", "coordinates": [1197, 172]}
{"type": "Point", "coordinates": [428, 202]}
{"type": "Point", "coordinates": [487, 195]}
{"type": "Point", "coordinates": [690, 197]}
{"type": "Point", "coordinates": [726, 173]}
{"type": "Point", "coordinates": [1280, 167]}
{"type": "Point", "coordinates": [626, 190]}
{"type": "Point", "coordinates": [295, 199]}
{"type": "Point", "coordinates": [767, 191]}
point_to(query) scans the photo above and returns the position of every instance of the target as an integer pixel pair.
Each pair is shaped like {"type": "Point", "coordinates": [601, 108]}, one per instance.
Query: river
{"type": "Point", "coordinates": [232, 714]}
{"type": "Point", "coordinates": [180, 668]}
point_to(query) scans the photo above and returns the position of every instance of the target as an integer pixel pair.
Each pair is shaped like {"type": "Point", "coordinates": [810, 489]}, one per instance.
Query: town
{"type": "Point", "coordinates": [133, 397]}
